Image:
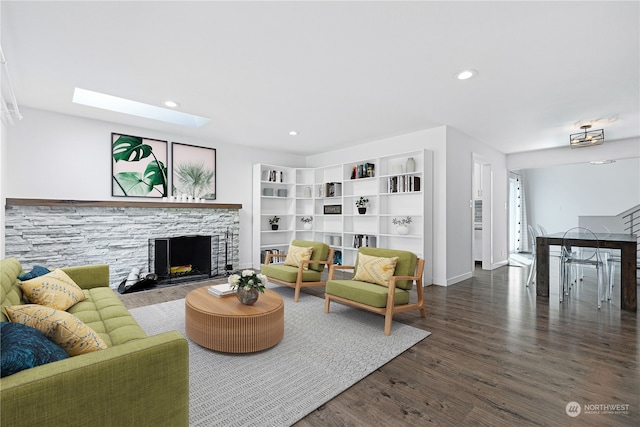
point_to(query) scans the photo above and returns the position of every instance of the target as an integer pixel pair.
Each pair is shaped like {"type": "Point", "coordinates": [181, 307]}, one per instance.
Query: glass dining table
{"type": "Point", "coordinates": [626, 243]}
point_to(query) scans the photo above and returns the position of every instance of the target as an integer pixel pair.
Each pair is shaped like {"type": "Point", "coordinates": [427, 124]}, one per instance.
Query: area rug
{"type": "Point", "coordinates": [320, 356]}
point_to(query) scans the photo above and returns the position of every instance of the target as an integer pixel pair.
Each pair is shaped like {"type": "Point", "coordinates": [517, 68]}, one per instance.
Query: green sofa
{"type": "Point", "coordinates": [138, 380]}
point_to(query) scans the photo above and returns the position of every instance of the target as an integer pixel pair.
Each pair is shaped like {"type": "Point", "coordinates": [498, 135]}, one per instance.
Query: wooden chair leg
{"type": "Point", "coordinates": [296, 295]}
{"type": "Point", "coordinates": [388, 319]}
{"type": "Point", "coordinates": [327, 301]}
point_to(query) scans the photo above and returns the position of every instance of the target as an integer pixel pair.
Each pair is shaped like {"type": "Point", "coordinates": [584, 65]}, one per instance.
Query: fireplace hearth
{"type": "Point", "coordinates": [183, 259]}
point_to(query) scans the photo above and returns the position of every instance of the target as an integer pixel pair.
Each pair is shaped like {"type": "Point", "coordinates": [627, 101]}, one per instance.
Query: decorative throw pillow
{"type": "Point", "coordinates": [36, 271]}
{"type": "Point", "coordinates": [23, 347]}
{"type": "Point", "coordinates": [374, 269]}
{"type": "Point", "coordinates": [55, 290]}
{"type": "Point", "coordinates": [297, 254]}
{"type": "Point", "coordinates": [61, 327]}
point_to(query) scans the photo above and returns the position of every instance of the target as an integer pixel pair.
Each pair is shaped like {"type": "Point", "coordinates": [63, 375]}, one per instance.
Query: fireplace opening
{"type": "Point", "coordinates": [183, 258]}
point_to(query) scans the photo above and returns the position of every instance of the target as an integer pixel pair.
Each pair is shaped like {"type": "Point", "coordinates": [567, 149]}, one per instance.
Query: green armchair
{"type": "Point", "coordinates": [299, 277]}
{"type": "Point", "coordinates": [379, 298]}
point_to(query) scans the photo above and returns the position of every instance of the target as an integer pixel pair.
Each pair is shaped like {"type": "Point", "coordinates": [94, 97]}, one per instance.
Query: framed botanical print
{"type": "Point", "coordinates": [138, 166]}
{"type": "Point", "coordinates": [193, 171]}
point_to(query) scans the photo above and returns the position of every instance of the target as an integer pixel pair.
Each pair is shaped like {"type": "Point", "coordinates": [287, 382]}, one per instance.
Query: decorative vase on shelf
{"type": "Point", "coordinates": [307, 226]}
{"type": "Point", "coordinates": [403, 229]}
{"type": "Point", "coordinates": [247, 296]}
{"type": "Point", "coordinates": [274, 226]}
{"type": "Point", "coordinates": [307, 192]}
{"type": "Point", "coordinates": [410, 166]}
{"type": "Point", "coordinates": [362, 211]}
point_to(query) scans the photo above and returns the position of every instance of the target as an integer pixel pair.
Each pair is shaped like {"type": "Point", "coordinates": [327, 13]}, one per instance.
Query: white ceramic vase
{"type": "Point", "coordinates": [403, 229]}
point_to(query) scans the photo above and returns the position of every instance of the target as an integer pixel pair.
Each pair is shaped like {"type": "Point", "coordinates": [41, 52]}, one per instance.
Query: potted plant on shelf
{"type": "Point", "coordinates": [274, 222]}
{"type": "Point", "coordinates": [306, 221]}
{"type": "Point", "coordinates": [402, 224]}
{"type": "Point", "coordinates": [362, 203]}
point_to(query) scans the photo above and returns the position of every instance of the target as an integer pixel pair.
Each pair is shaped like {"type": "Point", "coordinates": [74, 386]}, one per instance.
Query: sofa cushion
{"type": "Point", "coordinates": [54, 289]}
{"type": "Point", "coordinates": [289, 274]}
{"type": "Point", "coordinates": [374, 269]}
{"type": "Point", "coordinates": [23, 347]}
{"type": "Point", "coordinates": [104, 312]}
{"type": "Point", "coordinates": [297, 254]}
{"type": "Point", "coordinates": [61, 327]}
{"type": "Point", "coordinates": [364, 292]}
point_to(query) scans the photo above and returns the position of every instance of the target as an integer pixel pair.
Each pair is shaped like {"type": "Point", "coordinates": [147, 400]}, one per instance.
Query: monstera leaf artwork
{"type": "Point", "coordinates": [139, 166]}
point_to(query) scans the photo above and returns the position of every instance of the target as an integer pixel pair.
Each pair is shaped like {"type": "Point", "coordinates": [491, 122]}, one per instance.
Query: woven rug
{"type": "Point", "coordinates": [320, 356]}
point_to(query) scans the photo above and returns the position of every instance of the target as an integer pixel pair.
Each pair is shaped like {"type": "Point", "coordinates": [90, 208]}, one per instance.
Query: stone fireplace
{"type": "Point", "coordinates": [59, 233]}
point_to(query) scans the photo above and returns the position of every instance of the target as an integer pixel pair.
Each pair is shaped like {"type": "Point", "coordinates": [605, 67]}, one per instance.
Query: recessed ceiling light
{"type": "Point", "coordinates": [466, 74]}
{"type": "Point", "coordinates": [134, 108]}
{"type": "Point", "coordinates": [293, 133]}
{"type": "Point", "coordinates": [171, 104]}
{"type": "Point", "coordinates": [602, 162]}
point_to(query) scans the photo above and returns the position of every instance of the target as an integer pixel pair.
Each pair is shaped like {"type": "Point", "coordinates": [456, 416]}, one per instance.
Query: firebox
{"type": "Point", "coordinates": [183, 258]}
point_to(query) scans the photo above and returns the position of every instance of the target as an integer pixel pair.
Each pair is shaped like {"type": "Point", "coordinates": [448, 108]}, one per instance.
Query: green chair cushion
{"type": "Point", "coordinates": [320, 253]}
{"type": "Point", "coordinates": [406, 265]}
{"type": "Point", "coordinates": [289, 274]}
{"type": "Point", "coordinates": [366, 293]}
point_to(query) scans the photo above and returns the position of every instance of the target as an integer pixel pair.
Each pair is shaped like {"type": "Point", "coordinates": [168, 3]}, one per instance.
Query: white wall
{"type": "Point", "coordinates": [557, 195]}
{"type": "Point", "coordinates": [452, 168]}
{"type": "Point", "coordinates": [461, 149]}
{"type": "Point", "coordinates": [55, 156]}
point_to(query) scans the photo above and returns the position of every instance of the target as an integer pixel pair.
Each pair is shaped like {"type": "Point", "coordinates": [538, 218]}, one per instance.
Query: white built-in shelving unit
{"type": "Point", "coordinates": [328, 194]}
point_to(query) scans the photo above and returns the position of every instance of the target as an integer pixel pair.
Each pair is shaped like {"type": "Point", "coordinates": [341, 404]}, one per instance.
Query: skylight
{"type": "Point", "coordinates": [134, 108]}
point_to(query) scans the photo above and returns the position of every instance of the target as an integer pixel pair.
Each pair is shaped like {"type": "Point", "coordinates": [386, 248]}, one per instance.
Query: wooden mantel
{"type": "Point", "coordinates": [119, 204]}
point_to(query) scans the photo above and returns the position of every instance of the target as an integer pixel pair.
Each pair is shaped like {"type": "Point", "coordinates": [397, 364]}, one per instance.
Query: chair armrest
{"type": "Point", "coordinates": [335, 267]}
{"type": "Point", "coordinates": [267, 260]}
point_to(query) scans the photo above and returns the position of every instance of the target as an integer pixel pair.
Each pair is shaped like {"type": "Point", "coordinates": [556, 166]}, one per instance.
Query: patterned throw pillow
{"type": "Point", "coordinates": [374, 269]}
{"type": "Point", "coordinates": [23, 347]}
{"type": "Point", "coordinates": [297, 254]}
{"type": "Point", "coordinates": [61, 327]}
{"type": "Point", "coordinates": [55, 290]}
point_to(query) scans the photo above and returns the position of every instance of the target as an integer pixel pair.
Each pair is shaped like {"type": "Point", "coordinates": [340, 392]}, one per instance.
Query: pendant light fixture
{"type": "Point", "coordinates": [587, 137]}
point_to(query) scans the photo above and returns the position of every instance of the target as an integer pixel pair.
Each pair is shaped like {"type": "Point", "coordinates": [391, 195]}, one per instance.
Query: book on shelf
{"type": "Point", "coordinates": [333, 189]}
{"type": "Point", "coordinates": [363, 170]}
{"type": "Point", "coordinates": [403, 184]}
{"type": "Point", "coordinates": [275, 260]}
{"type": "Point", "coordinates": [221, 290]}
{"type": "Point", "coordinates": [367, 240]}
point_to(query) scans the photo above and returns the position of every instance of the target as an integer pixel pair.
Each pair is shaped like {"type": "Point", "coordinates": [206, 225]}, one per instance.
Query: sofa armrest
{"type": "Point", "coordinates": [144, 382]}
{"type": "Point", "coordinates": [89, 276]}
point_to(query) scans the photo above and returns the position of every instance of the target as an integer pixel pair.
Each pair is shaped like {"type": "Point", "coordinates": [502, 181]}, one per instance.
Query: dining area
{"type": "Point", "coordinates": [579, 247]}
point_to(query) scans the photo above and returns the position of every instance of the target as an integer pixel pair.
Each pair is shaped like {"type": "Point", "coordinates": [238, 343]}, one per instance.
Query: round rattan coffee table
{"type": "Point", "coordinates": [226, 325]}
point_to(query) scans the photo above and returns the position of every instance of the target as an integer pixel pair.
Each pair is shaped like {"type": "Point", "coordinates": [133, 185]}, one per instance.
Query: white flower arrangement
{"type": "Point", "coordinates": [248, 279]}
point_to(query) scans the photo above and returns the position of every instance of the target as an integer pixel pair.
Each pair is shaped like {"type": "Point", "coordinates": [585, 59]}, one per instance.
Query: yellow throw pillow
{"type": "Point", "coordinates": [61, 327]}
{"type": "Point", "coordinates": [297, 254]}
{"type": "Point", "coordinates": [54, 289]}
{"type": "Point", "coordinates": [375, 269]}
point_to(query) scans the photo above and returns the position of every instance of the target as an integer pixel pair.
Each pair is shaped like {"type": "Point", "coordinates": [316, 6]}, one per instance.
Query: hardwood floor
{"type": "Point", "coordinates": [496, 356]}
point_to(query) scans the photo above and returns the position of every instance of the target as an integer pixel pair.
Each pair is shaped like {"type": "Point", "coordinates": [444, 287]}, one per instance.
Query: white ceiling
{"type": "Point", "coordinates": [339, 73]}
